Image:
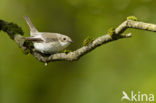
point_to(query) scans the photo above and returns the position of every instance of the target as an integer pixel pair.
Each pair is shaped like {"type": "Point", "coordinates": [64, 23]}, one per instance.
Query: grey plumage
{"type": "Point", "coordinates": [50, 37]}
{"type": "Point", "coordinates": [31, 26]}
{"type": "Point", "coordinates": [33, 39]}
{"type": "Point", "coordinates": [46, 37]}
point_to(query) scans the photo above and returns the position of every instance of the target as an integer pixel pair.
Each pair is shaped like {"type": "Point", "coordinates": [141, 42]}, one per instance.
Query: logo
{"type": "Point", "coordinates": [140, 97]}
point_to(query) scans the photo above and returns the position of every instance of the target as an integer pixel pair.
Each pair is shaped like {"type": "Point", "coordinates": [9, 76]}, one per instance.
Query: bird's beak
{"type": "Point", "coordinates": [70, 41]}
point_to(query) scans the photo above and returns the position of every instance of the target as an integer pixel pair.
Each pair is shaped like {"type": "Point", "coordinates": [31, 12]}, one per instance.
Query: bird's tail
{"type": "Point", "coordinates": [33, 29]}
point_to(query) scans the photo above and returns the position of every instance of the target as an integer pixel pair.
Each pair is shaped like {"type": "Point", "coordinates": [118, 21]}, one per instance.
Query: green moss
{"type": "Point", "coordinates": [27, 51]}
{"type": "Point", "coordinates": [88, 40]}
{"type": "Point", "coordinates": [2, 23]}
{"type": "Point", "coordinates": [29, 46]}
{"type": "Point", "coordinates": [132, 18]}
{"type": "Point", "coordinates": [67, 51]}
{"type": "Point", "coordinates": [149, 27]}
{"type": "Point", "coordinates": [111, 31]}
{"type": "Point", "coordinates": [12, 29]}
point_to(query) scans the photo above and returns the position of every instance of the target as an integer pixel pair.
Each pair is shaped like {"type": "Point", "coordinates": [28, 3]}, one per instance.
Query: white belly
{"type": "Point", "coordinates": [49, 47]}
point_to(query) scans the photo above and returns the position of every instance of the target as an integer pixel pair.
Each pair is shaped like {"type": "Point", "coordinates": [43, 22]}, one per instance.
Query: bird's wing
{"type": "Point", "coordinates": [50, 37]}
{"type": "Point", "coordinates": [34, 39]}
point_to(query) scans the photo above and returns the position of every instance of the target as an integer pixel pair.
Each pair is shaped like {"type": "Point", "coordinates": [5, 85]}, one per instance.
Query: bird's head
{"type": "Point", "coordinates": [65, 40]}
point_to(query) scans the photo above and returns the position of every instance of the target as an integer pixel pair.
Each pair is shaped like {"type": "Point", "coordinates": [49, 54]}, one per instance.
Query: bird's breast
{"type": "Point", "coordinates": [51, 47]}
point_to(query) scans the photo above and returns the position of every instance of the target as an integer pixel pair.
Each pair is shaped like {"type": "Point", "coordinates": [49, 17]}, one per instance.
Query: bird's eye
{"type": "Point", "coordinates": [64, 38]}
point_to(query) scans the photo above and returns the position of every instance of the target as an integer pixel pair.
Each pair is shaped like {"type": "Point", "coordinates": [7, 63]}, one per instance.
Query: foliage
{"type": "Point", "coordinates": [88, 40]}
{"type": "Point", "coordinates": [67, 51]}
{"type": "Point", "coordinates": [132, 18]}
{"type": "Point", "coordinates": [111, 31]}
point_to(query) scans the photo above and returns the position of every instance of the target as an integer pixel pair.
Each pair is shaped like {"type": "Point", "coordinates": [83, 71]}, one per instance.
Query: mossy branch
{"type": "Point", "coordinates": [89, 44]}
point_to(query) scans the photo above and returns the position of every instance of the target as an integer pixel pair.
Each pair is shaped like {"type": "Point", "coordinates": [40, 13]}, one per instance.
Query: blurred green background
{"type": "Point", "coordinates": [98, 77]}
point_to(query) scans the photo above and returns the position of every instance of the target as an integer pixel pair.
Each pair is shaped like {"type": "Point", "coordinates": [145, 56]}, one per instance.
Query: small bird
{"type": "Point", "coordinates": [45, 42]}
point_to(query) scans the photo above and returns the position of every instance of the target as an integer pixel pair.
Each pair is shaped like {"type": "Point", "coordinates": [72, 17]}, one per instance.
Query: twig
{"type": "Point", "coordinates": [75, 55]}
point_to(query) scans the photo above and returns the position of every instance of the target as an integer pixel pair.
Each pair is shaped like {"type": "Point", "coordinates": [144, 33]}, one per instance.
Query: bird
{"type": "Point", "coordinates": [46, 42]}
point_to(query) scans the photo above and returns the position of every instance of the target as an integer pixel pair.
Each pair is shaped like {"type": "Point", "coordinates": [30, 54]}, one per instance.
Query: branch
{"type": "Point", "coordinates": [16, 33]}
